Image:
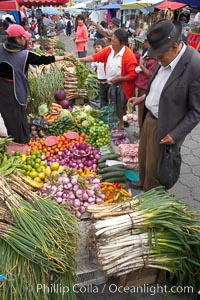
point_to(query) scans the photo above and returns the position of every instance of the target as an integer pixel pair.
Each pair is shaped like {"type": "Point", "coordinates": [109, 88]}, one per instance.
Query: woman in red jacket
{"type": "Point", "coordinates": [81, 38]}
{"type": "Point", "coordinates": [119, 63]}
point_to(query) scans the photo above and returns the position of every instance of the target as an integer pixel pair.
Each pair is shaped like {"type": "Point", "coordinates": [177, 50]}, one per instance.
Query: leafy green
{"type": "Point", "coordinates": [65, 113]}
{"type": "Point", "coordinates": [43, 109]}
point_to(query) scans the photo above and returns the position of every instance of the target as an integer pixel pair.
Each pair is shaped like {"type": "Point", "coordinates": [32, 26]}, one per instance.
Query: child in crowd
{"type": "Point", "coordinates": [99, 66]}
{"type": "Point", "coordinates": [144, 70]}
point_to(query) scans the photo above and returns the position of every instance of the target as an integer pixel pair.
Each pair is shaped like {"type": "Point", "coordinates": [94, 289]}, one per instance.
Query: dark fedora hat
{"type": "Point", "coordinates": [116, 21]}
{"type": "Point", "coordinates": [162, 35]}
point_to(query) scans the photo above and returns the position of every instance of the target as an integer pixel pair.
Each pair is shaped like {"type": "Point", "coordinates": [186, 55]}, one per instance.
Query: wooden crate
{"type": "Point", "coordinates": [139, 277]}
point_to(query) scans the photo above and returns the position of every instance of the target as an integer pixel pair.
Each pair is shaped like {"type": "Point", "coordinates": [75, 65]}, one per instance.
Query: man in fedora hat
{"type": "Point", "coordinates": [108, 32]}
{"type": "Point", "coordinates": [172, 106]}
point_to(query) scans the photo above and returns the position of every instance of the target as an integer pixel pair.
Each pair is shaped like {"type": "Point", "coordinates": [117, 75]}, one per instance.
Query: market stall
{"type": "Point", "coordinates": [38, 3]}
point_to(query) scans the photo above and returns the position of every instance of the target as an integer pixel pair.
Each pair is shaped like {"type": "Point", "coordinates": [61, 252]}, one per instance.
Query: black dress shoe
{"type": "Point", "coordinates": [126, 124]}
{"type": "Point", "coordinates": [136, 185]}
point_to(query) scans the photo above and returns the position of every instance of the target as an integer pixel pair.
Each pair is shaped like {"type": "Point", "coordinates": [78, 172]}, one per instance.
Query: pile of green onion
{"type": "Point", "coordinates": [160, 232]}
{"type": "Point", "coordinates": [38, 241]}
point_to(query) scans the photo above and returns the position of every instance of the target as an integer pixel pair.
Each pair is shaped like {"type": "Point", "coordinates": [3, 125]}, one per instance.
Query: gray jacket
{"type": "Point", "coordinates": [179, 107]}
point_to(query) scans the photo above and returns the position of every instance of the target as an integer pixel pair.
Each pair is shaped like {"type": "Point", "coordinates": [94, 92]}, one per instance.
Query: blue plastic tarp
{"type": "Point", "coordinates": [109, 6]}
{"type": "Point", "coordinates": [191, 3]}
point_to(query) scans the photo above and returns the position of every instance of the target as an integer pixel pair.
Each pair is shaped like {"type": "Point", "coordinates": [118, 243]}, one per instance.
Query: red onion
{"type": "Point", "coordinates": [78, 214]}
{"type": "Point", "coordinates": [59, 95]}
{"type": "Point", "coordinates": [79, 193]}
{"type": "Point", "coordinates": [76, 203]}
{"type": "Point", "coordinates": [82, 209]}
{"type": "Point", "coordinates": [85, 196]}
{"type": "Point", "coordinates": [65, 103]}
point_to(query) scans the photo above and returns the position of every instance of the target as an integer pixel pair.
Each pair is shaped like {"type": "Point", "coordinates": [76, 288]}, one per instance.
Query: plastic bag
{"type": "Point", "coordinates": [3, 129]}
{"type": "Point", "coordinates": [95, 102]}
{"type": "Point", "coordinates": [170, 166]}
{"type": "Point", "coordinates": [109, 115]}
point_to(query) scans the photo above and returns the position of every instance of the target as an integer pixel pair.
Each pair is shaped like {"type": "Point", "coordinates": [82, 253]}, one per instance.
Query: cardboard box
{"type": "Point", "coordinates": [139, 277]}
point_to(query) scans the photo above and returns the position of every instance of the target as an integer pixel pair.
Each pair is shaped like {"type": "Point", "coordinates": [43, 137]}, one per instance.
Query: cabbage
{"type": "Point", "coordinates": [43, 109]}
{"type": "Point", "coordinates": [87, 108]}
{"type": "Point", "coordinates": [85, 123]}
{"type": "Point", "coordinates": [76, 108]}
{"type": "Point", "coordinates": [65, 113]}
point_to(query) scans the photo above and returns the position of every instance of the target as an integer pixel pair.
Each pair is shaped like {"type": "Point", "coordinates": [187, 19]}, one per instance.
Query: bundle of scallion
{"type": "Point", "coordinates": [29, 281]}
{"type": "Point", "coordinates": [160, 232]}
{"type": "Point", "coordinates": [44, 232]}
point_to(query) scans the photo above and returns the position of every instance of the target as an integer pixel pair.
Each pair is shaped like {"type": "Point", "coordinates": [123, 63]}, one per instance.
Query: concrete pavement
{"type": "Point", "coordinates": [186, 189]}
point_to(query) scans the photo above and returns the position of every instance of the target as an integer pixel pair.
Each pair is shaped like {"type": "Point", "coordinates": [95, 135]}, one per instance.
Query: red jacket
{"type": "Point", "coordinates": [142, 81]}
{"type": "Point", "coordinates": [129, 63]}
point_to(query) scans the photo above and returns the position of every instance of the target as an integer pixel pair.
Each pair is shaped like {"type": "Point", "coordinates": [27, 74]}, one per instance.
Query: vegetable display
{"type": "Point", "coordinates": [131, 116]}
{"type": "Point", "coordinates": [119, 137]}
{"type": "Point", "coordinates": [62, 125]}
{"type": "Point", "coordinates": [43, 81]}
{"type": "Point", "coordinates": [153, 230]}
{"type": "Point", "coordinates": [77, 191]}
{"type": "Point", "coordinates": [114, 192]}
{"type": "Point", "coordinates": [80, 81]}
{"type": "Point", "coordinates": [77, 156]}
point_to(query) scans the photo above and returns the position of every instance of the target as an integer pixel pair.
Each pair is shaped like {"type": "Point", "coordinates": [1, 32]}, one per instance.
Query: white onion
{"type": "Point", "coordinates": [68, 186]}
{"type": "Point", "coordinates": [98, 199]}
{"type": "Point", "coordinates": [79, 193]}
{"type": "Point", "coordinates": [60, 188]}
{"type": "Point", "coordinates": [59, 194]}
{"type": "Point", "coordinates": [65, 179]}
{"type": "Point", "coordinates": [90, 193]}
{"type": "Point", "coordinates": [74, 180]}
{"type": "Point", "coordinates": [82, 209]}
{"type": "Point", "coordinates": [59, 200]}
{"type": "Point", "coordinates": [85, 196]}
{"type": "Point", "coordinates": [96, 180]}
{"type": "Point", "coordinates": [76, 203]}
{"type": "Point", "coordinates": [91, 199]}
{"type": "Point", "coordinates": [78, 214]}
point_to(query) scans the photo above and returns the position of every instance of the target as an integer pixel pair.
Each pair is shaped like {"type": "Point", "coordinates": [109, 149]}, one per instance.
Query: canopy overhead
{"type": "Point", "coordinates": [136, 4]}
{"type": "Point", "coordinates": [9, 5]}
{"type": "Point", "coordinates": [109, 6]}
{"type": "Point", "coordinates": [37, 3]}
{"type": "Point", "coordinates": [50, 11]}
{"type": "Point", "coordinates": [169, 5]}
{"type": "Point", "coordinates": [191, 3]}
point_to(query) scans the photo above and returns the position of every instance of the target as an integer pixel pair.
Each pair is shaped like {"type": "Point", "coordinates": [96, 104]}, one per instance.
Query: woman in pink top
{"type": "Point", "coordinates": [81, 36]}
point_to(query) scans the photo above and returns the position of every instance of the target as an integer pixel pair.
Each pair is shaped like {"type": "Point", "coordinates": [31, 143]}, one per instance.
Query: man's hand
{"type": "Point", "coordinates": [167, 140]}
{"type": "Point", "coordinates": [115, 79]}
{"type": "Point", "coordinates": [136, 100]}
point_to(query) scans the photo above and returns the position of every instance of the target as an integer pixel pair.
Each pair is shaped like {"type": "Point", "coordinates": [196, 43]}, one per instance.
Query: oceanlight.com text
{"type": "Point", "coordinates": [113, 288]}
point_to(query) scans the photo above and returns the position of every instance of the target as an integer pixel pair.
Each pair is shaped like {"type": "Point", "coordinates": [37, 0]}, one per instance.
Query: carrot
{"type": "Point", "coordinates": [56, 105]}
{"type": "Point", "coordinates": [46, 115]}
{"type": "Point", "coordinates": [55, 111]}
